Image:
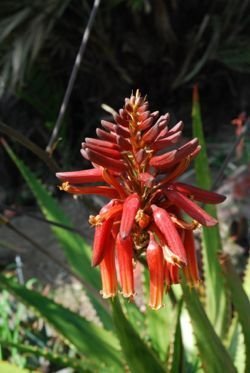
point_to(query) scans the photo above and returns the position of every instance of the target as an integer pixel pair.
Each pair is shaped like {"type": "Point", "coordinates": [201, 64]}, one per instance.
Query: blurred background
{"type": "Point", "coordinates": [161, 47]}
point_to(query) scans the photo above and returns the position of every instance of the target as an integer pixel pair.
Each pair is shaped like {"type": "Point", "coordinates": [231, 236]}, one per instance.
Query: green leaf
{"type": "Point", "coordinates": [80, 365]}
{"type": "Point", "coordinates": [159, 321]}
{"type": "Point", "coordinates": [138, 355]}
{"type": "Point", "coordinates": [235, 344]}
{"type": "Point", "coordinates": [6, 367]}
{"type": "Point", "coordinates": [88, 338]}
{"type": "Point", "coordinates": [75, 248]}
{"type": "Point", "coordinates": [216, 301]}
{"type": "Point", "coordinates": [240, 301]}
{"type": "Point", "coordinates": [176, 356]}
{"type": "Point", "coordinates": [160, 326]}
{"type": "Point", "coordinates": [214, 356]}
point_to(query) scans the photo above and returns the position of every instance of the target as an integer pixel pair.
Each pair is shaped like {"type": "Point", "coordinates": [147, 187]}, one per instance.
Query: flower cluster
{"type": "Point", "coordinates": [136, 165]}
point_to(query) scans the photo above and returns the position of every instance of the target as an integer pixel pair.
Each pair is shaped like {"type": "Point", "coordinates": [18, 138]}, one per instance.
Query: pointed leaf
{"type": "Point", "coordinates": [6, 367]}
{"type": "Point", "coordinates": [80, 365]}
{"type": "Point", "coordinates": [75, 248]}
{"type": "Point", "coordinates": [216, 302]}
{"type": "Point", "coordinates": [138, 355]}
{"type": "Point", "coordinates": [176, 353]}
{"type": "Point", "coordinates": [88, 338]}
{"type": "Point", "coordinates": [213, 354]}
{"type": "Point", "coordinates": [240, 301]}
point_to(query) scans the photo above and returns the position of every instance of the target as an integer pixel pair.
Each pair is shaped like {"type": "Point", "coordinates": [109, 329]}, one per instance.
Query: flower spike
{"type": "Point", "coordinates": [136, 161]}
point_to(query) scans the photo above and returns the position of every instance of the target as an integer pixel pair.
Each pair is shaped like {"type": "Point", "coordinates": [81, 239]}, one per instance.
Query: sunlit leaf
{"type": "Point", "coordinates": [80, 365]}
{"type": "Point", "coordinates": [75, 248]}
{"type": "Point", "coordinates": [88, 338]}
{"type": "Point", "coordinates": [138, 355]}
{"type": "Point", "coordinates": [213, 354]}
{"type": "Point", "coordinates": [216, 302]}
{"type": "Point", "coordinates": [240, 301]}
{"type": "Point", "coordinates": [6, 367]}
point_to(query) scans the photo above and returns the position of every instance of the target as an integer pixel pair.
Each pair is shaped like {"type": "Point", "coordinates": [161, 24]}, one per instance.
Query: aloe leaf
{"type": "Point", "coordinates": [216, 301]}
{"type": "Point", "coordinates": [176, 353]}
{"type": "Point", "coordinates": [80, 365]}
{"type": "Point", "coordinates": [88, 338]}
{"type": "Point", "coordinates": [160, 324]}
{"type": "Point", "coordinates": [6, 367]}
{"type": "Point", "coordinates": [240, 301]}
{"type": "Point", "coordinates": [160, 327]}
{"type": "Point", "coordinates": [75, 248]}
{"type": "Point", "coordinates": [214, 356]}
{"type": "Point", "coordinates": [138, 355]}
{"type": "Point", "coordinates": [235, 339]}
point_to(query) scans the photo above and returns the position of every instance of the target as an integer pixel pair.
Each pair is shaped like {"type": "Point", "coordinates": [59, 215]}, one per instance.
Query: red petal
{"type": "Point", "coordinates": [113, 181]}
{"type": "Point", "coordinates": [100, 190]}
{"type": "Point", "coordinates": [175, 252]}
{"type": "Point", "coordinates": [101, 143]}
{"type": "Point", "coordinates": [107, 162]}
{"type": "Point", "coordinates": [130, 207]}
{"type": "Point", "coordinates": [124, 143]}
{"type": "Point", "coordinates": [178, 127]}
{"type": "Point", "coordinates": [121, 121]}
{"type": "Point", "coordinates": [191, 208]}
{"type": "Point", "coordinates": [168, 159]}
{"type": "Point", "coordinates": [199, 194]}
{"type": "Point", "coordinates": [166, 141]}
{"type": "Point", "coordinates": [155, 262]}
{"type": "Point", "coordinates": [125, 262]}
{"type": "Point", "coordinates": [143, 114]}
{"type": "Point", "coordinates": [175, 172]}
{"type": "Point", "coordinates": [149, 136]}
{"type": "Point", "coordinates": [107, 136]}
{"type": "Point", "coordinates": [101, 241]}
{"type": "Point", "coordinates": [79, 177]}
{"type": "Point", "coordinates": [109, 152]}
{"type": "Point", "coordinates": [108, 272]}
{"type": "Point", "coordinates": [146, 123]}
{"type": "Point", "coordinates": [191, 270]}
{"type": "Point", "coordinates": [121, 131]}
{"type": "Point", "coordinates": [172, 274]}
{"type": "Point", "coordinates": [108, 125]}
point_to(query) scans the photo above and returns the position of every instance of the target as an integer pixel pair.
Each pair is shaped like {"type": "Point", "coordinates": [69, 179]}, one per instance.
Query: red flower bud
{"type": "Point", "coordinates": [174, 251]}
{"type": "Point", "coordinates": [130, 207]}
{"type": "Point", "coordinates": [124, 249]}
{"type": "Point", "coordinates": [155, 261]}
{"type": "Point", "coordinates": [191, 208]}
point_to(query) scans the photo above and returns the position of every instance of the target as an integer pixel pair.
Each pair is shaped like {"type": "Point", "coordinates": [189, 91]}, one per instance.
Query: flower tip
{"type": "Point", "coordinates": [211, 222]}
{"type": "Point", "coordinates": [195, 93]}
{"type": "Point", "coordinates": [156, 307]}
{"type": "Point", "coordinates": [123, 235]}
{"type": "Point", "coordinates": [59, 175]}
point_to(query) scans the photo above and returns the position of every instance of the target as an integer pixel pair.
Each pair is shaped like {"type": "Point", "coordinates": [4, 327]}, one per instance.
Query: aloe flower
{"type": "Point", "coordinates": [136, 164]}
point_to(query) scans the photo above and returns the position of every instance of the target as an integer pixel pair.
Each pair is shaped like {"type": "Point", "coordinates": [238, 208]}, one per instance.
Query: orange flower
{"type": "Point", "coordinates": [144, 216]}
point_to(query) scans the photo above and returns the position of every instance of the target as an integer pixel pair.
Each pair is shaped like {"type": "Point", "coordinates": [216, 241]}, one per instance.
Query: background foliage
{"type": "Point", "coordinates": [163, 48]}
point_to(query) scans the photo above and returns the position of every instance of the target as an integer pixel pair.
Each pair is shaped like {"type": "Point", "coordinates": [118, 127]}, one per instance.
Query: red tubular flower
{"type": "Point", "coordinates": [130, 208]}
{"type": "Point", "coordinates": [191, 271]}
{"type": "Point", "coordinates": [136, 162]}
{"type": "Point", "coordinates": [156, 265]}
{"type": "Point", "coordinates": [125, 262]}
{"type": "Point", "coordinates": [108, 271]}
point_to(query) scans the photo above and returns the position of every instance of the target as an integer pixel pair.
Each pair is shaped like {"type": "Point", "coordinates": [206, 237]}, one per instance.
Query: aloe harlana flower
{"type": "Point", "coordinates": [136, 164]}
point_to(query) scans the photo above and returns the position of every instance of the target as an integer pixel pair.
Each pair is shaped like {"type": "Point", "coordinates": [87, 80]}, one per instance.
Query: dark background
{"type": "Point", "coordinates": [161, 47]}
